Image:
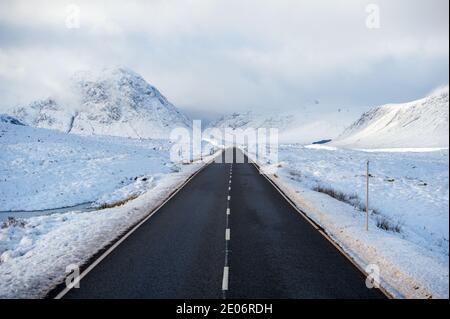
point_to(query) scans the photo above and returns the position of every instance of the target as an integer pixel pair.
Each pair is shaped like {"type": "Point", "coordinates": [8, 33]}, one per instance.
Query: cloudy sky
{"type": "Point", "coordinates": [214, 56]}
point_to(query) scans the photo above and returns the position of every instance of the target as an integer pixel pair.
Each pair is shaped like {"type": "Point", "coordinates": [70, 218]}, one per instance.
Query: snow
{"type": "Point", "coordinates": [250, 119]}
{"type": "Point", "coordinates": [407, 189]}
{"type": "Point", "coordinates": [297, 126]}
{"type": "Point", "coordinates": [114, 101]}
{"type": "Point", "coordinates": [43, 169]}
{"type": "Point", "coordinates": [422, 123]}
{"type": "Point", "coordinates": [405, 149]}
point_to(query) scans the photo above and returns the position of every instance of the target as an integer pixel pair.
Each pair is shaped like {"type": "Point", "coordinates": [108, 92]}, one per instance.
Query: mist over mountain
{"type": "Point", "coordinates": [114, 101]}
{"type": "Point", "coordinates": [294, 127]}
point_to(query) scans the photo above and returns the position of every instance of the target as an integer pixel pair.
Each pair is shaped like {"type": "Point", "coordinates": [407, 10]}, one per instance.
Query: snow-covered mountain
{"type": "Point", "coordinates": [294, 127]}
{"type": "Point", "coordinates": [418, 124]}
{"type": "Point", "coordinates": [250, 119]}
{"type": "Point", "coordinates": [116, 102]}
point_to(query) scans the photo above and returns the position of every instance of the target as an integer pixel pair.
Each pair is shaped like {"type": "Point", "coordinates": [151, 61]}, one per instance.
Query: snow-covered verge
{"type": "Point", "coordinates": [35, 252]}
{"type": "Point", "coordinates": [409, 196]}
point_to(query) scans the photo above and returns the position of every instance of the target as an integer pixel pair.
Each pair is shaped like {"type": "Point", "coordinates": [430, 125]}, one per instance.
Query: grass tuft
{"type": "Point", "coordinates": [385, 224]}
{"type": "Point", "coordinates": [353, 199]}
{"type": "Point", "coordinates": [117, 203]}
{"type": "Point", "coordinates": [12, 221]}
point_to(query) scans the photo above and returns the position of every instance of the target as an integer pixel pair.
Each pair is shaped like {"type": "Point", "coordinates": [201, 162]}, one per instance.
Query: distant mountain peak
{"type": "Point", "coordinates": [113, 101]}
{"type": "Point", "coordinates": [250, 119]}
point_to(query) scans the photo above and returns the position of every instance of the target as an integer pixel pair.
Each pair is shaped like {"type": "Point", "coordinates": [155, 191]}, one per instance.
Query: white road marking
{"type": "Point", "coordinates": [227, 234]}
{"type": "Point", "coordinates": [229, 197]}
{"type": "Point", "coordinates": [226, 271]}
{"type": "Point", "coordinates": [229, 188]}
{"type": "Point", "coordinates": [228, 211]}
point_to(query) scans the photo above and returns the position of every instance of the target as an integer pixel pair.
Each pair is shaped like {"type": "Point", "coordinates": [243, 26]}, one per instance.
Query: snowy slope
{"type": "Point", "coordinates": [45, 169]}
{"type": "Point", "coordinates": [253, 120]}
{"type": "Point", "coordinates": [294, 127]}
{"type": "Point", "coordinates": [116, 102]}
{"type": "Point", "coordinates": [422, 123]}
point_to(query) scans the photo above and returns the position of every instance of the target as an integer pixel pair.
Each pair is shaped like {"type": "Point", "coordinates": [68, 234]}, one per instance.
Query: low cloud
{"type": "Point", "coordinates": [223, 56]}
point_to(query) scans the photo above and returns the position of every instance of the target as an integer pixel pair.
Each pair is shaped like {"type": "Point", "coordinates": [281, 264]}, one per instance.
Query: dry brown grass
{"type": "Point", "coordinates": [117, 203]}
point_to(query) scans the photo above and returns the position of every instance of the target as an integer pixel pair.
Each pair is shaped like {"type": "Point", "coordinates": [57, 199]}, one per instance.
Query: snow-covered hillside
{"type": "Point", "coordinates": [252, 120]}
{"type": "Point", "coordinates": [295, 127]}
{"type": "Point", "coordinates": [45, 169]}
{"type": "Point", "coordinates": [418, 124]}
{"type": "Point", "coordinates": [116, 102]}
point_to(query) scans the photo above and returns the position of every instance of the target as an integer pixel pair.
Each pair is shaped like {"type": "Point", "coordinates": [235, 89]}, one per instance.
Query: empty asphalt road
{"type": "Point", "coordinates": [227, 234]}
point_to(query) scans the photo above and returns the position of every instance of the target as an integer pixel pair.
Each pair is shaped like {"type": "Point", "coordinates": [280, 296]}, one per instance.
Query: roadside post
{"type": "Point", "coordinates": [367, 195]}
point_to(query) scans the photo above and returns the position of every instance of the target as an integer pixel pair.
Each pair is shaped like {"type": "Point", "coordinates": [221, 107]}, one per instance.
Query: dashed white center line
{"type": "Point", "coordinates": [227, 234]}
{"type": "Point", "coordinates": [226, 270]}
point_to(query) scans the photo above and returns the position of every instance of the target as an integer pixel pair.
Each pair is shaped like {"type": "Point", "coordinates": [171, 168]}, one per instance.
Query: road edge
{"type": "Point", "coordinates": [61, 289]}
{"type": "Point", "coordinates": [315, 225]}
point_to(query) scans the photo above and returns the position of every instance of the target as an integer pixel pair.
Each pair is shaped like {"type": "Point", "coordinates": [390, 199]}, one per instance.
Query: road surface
{"type": "Point", "coordinates": [227, 234]}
